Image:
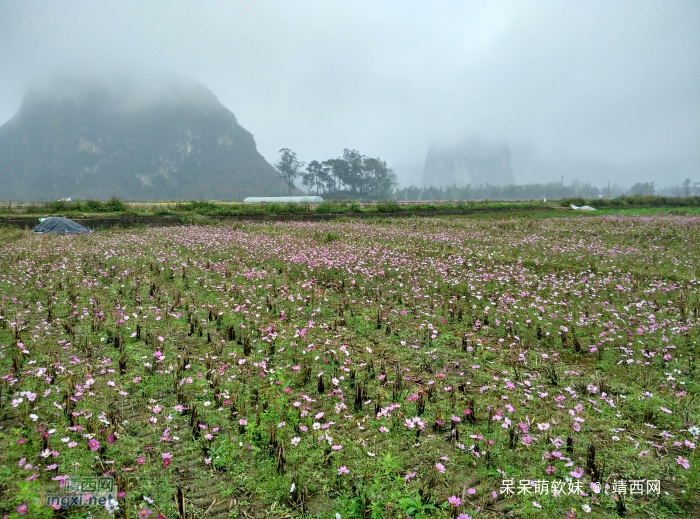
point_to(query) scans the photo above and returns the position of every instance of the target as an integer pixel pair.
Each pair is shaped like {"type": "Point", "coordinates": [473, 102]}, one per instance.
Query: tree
{"type": "Point", "coordinates": [643, 188]}
{"type": "Point", "coordinates": [686, 186]}
{"type": "Point", "coordinates": [338, 173]}
{"type": "Point", "coordinates": [317, 175]}
{"type": "Point", "coordinates": [378, 179]}
{"type": "Point", "coordinates": [289, 167]}
{"type": "Point", "coordinates": [353, 172]}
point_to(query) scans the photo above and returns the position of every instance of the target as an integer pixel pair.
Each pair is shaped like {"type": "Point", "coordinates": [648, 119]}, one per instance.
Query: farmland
{"type": "Point", "coordinates": [451, 367]}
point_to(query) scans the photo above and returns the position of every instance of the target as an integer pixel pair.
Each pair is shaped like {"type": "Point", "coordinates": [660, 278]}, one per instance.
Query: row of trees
{"type": "Point", "coordinates": [352, 174]}
{"type": "Point", "coordinates": [551, 190]}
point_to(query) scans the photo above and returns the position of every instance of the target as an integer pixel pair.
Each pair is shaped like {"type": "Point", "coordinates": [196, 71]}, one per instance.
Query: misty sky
{"type": "Point", "coordinates": [592, 90]}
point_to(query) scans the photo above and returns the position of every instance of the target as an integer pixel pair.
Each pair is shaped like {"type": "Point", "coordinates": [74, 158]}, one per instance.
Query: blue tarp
{"type": "Point", "coordinates": [310, 199]}
{"type": "Point", "coordinates": [59, 225]}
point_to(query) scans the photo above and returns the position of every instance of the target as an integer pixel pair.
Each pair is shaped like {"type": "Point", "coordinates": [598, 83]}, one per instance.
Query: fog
{"type": "Point", "coordinates": [597, 91]}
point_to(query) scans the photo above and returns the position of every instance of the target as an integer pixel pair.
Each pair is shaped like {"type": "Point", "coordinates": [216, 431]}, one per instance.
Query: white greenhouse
{"type": "Point", "coordinates": [259, 199]}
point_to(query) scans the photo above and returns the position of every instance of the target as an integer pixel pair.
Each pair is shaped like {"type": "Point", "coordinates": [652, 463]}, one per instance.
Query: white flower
{"type": "Point", "coordinates": [292, 489]}
{"type": "Point", "coordinates": [207, 404]}
{"type": "Point", "coordinates": [148, 500]}
{"type": "Point", "coordinates": [33, 417]}
{"type": "Point", "coordinates": [586, 508]}
{"type": "Point", "coordinates": [66, 439]}
{"type": "Point", "coordinates": [295, 440]}
{"type": "Point", "coordinates": [112, 506]}
{"type": "Point", "coordinates": [316, 426]}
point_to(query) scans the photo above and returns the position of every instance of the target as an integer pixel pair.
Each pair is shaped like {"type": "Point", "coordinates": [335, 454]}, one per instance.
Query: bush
{"type": "Point", "coordinates": [332, 207]}
{"type": "Point", "coordinates": [113, 205]}
{"type": "Point", "coordinates": [389, 206]}
{"type": "Point", "coordinates": [197, 219]}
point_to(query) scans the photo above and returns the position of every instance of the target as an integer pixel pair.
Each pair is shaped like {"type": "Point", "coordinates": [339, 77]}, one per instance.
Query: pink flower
{"type": "Point", "coordinates": [454, 501]}
{"type": "Point", "coordinates": [440, 467]}
{"type": "Point", "coordinates": [337, 447]}
{"type": "Point", "coordinates": [471, 491]}
{"type": "Point", "coordinates": [140, 461]}
{"type": "Point", "coordinates": [94, 444]}
{"type": "Point", "coordinates": [577, 426]}
{"type": "Point", "coordinates": [22, 509]}
{"type": "Point", "coordinates": [343, 470]}
{"type": "Point", "coordinates": [409, 476]}
{"type": "Point", "coordinates": [576, 473]}
{"type": "Point", "coordinates": [683, 462]}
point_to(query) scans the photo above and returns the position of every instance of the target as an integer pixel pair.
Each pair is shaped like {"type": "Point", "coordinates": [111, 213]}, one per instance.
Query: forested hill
{"type": "Point", "coordinates": [137, 140]}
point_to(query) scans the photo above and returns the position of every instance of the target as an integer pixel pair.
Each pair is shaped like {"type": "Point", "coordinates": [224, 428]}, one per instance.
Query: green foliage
{"type": "Point", "coordinates": [388, 207]}
{"type": "Point", "coordinates": [415, 506]}
{"type": "Point", "coordinates": [330, 237]}
{"type": "Point", "coordinates": [197, 219]}
{"type": "Point", "coordinates": [9, 234]}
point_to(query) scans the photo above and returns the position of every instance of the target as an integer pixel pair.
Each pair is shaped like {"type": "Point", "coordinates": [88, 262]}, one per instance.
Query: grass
{"type": "Point", "coordinates": [9, 235]}
{"type": "Point", "coordinates": [204, 208]}
{"type": "Point", "coordinates": [369, 368]}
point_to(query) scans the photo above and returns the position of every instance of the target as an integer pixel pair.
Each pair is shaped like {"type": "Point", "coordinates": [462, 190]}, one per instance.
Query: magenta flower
{"type": "Point", "coordinates": [576, 473]}
{"type": "Point", "coordinates": [22, 509]}
{"type": "Point", "coordinates": [94, 444]}
{"type": "Point", "coordinates": [140, 461]}
{"type": "Point", "coordinates": [454, 501]}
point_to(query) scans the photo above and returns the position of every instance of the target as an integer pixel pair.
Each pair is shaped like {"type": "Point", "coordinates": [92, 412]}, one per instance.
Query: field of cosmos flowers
{"type": "Point", "coordinates": [451, 367]}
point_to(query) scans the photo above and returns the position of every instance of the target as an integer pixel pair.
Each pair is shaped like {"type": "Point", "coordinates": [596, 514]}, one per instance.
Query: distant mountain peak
{"type": "Point", "coordinates": [155, 138]}
{"type": "Point", "coordinates": [469, 161]}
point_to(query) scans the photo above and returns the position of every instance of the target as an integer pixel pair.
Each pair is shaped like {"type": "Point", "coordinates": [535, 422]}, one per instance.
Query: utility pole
{"type": "Point", "coordinates": [562, 187]}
